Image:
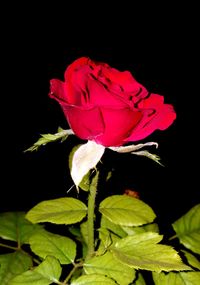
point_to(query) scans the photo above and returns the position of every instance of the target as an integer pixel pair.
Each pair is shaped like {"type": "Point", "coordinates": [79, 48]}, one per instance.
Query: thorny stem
{"type": "Point", "coordinates": [91, 216]}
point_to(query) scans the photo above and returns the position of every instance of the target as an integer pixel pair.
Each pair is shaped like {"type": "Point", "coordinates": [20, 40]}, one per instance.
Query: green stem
{"type": "Point", "coordinates": [9, 246]}
{"type": "Point", "coordinates": [76, 266]}
{"type": "Point", "coordinates": [91, 216]}
{"type": "Point", "coordinates": [173, 237]}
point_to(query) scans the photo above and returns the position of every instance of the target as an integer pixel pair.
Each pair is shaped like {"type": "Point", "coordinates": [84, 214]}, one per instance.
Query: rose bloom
{"type": "Point", "coordinates": [108, 106]}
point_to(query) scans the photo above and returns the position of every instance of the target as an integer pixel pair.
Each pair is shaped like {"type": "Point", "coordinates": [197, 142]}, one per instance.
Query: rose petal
{"type": "Point", "coordinates": [156, 115]}
{"type": "Point", "coordinates": [100, 95]}
{"type": "Point", "coordinates": [74, 66]}
{"type": "Point", "coordinates": [118, 125]}
{"type": "Point", "coordinates": [86, 123]}
{"type": "Point", "coordinates": [58, 91]}
{"type": "Point", "coordinates": [87, 89]}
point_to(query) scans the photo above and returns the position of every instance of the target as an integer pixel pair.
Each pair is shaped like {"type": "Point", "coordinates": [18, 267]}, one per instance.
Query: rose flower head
{"type": "Point", "coordinates": [107, 106]}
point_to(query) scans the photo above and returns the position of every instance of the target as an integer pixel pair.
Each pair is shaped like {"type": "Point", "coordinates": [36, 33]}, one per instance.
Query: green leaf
{"type": "Point", "coordinates": [126, 211]}
{"type": "Point", "coordinates": [13, 264]}
{"type": "Point", "coordinates": [63, 248]}
{"type": "Point", "coordinates": [123, 231]}
{"type": "Point", "coordinates": [187, 229]}
{"type": "Point", "coordinates": [150, 155]}
{"type": "Point", "coordinates": [75, 230]}
{"type": "Point", "coordinates": [106, 238]}
{"type": "Point", "coordinates": [114, 228]}
{"type": "Point", "coordinates": [46, 273]}
{"type": "Point", "coordinates": [141, 229]}
{"type": "Point", "coordinates": [85, 182]}
{"type": "Point", "coordinates": [192, 260]}
{"type": "Point", "coordinates": [84, 231]}
{"type": "Point", "coordinates": [180, 278]}
{"type": "Point", "coordinates": [93, 279]}
{"type": "Point", "coordinates": [14, 226]}
{"type": "Point", "coordinates": [140, 280]}
{"type": "Point", "coordinates": [141, 251]}
{"type": "Point", "coordinates": [107, 265]}
{"type": "Point", "coordinates": [47, 138]}
{"type": "Point", "coordinates": [109, 233]}
{"type": "Point", "coordinates": [58, 211]}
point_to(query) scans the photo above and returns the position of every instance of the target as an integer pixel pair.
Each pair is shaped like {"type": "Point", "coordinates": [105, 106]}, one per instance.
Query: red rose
{"type": "Point", "coordinates": [107, 106]}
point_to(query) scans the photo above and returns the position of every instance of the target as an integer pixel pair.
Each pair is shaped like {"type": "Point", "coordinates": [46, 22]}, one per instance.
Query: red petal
{"type": "Point", "coordinates": [118, 124]}
{"type": "Point", "coordinates": [58, 91]}
{"type": "Point", "coordinates": [86, 124]}
{"type": "Point", "coordinates": [156, 115]}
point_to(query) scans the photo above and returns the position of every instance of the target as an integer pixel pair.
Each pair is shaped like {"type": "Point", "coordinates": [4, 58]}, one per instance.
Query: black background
{"type": "Point", "coordinates": [159, 47]}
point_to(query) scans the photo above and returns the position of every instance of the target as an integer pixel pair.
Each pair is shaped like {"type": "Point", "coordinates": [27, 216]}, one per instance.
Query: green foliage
{"type": "Point", "coordinates": [192, 260]}
{"type": "Point", "coordinates": [187, 229]}
{"type": "Point", "coordinates": [108, 265]}
{"type": "Point", "coordinates": [153, 227]}
{"type": "Point", "coordinates": [47, 138]}
{"type": "Point", "coordinates": [181, 278]}
{"type": "Point", "coordinates": [112, 227]}
{"type": "Point", "coordinates": [142, 251]}
{"type": "Point", "coordinates": [126, 211]}
{"type": "Point", "coordinates": [12, 264]}
{"type": "Point", "coordinates": [150, 155]}
{"type": "Point", "coordinates": [46, 273]}
{"type": "Point", "coordinates": [139, 280]}
{"type": "Point", "coordinates": [14, 227]}
{"type": "Point", "coordinates": [121, 250]}
{"type": "Point", "coordinates": [126, 242]}
{"type": "Point", "coordinates": [63, 248]}
{"type": "Point", "coordinates": [58, 211]}
{"type": "Point", "coordinates": [93, 279]}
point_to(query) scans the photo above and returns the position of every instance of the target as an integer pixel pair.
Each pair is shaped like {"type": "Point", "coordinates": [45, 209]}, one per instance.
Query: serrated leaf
{"type": "Point", "coordinates": [142, 251]}
{"type": "Point", "coordinates": [47, 138]}
{"type": "Point", "coordinates": [140, 280]}
{"type": "Point", "coordinates": [107, 265]}
{"type": "Point", "coordinates": [14, 226]}
{"type": "Point", "coordinates": [187, 229]}
{"type": "Point", "coordinates": [58, 211]}
{"type": "Point", "coordinates": [46, 273]}
{"type": "Point", "coordinates": [179, 278]}
{"type": "Point", "coordinates": [150, 155]}
{"type": "Point", "coordinates": [85, 158]}
{"type": "Point", "coordinates": [85, 182]}
{"type": "Point", "coordinates": [93, 279]}
{"type": "Point", "coordinates": [192, 260]}
{"type": "Point", "coordinates": [13, 264]}
{"type": "Point", "coordinates": [126, 211]}
{"type": "Point", "coordinates": [63, 248]}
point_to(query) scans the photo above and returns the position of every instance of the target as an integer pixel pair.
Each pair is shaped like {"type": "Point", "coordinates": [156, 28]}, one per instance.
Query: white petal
{"type": "Point", "coordinates": [85, 158]}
